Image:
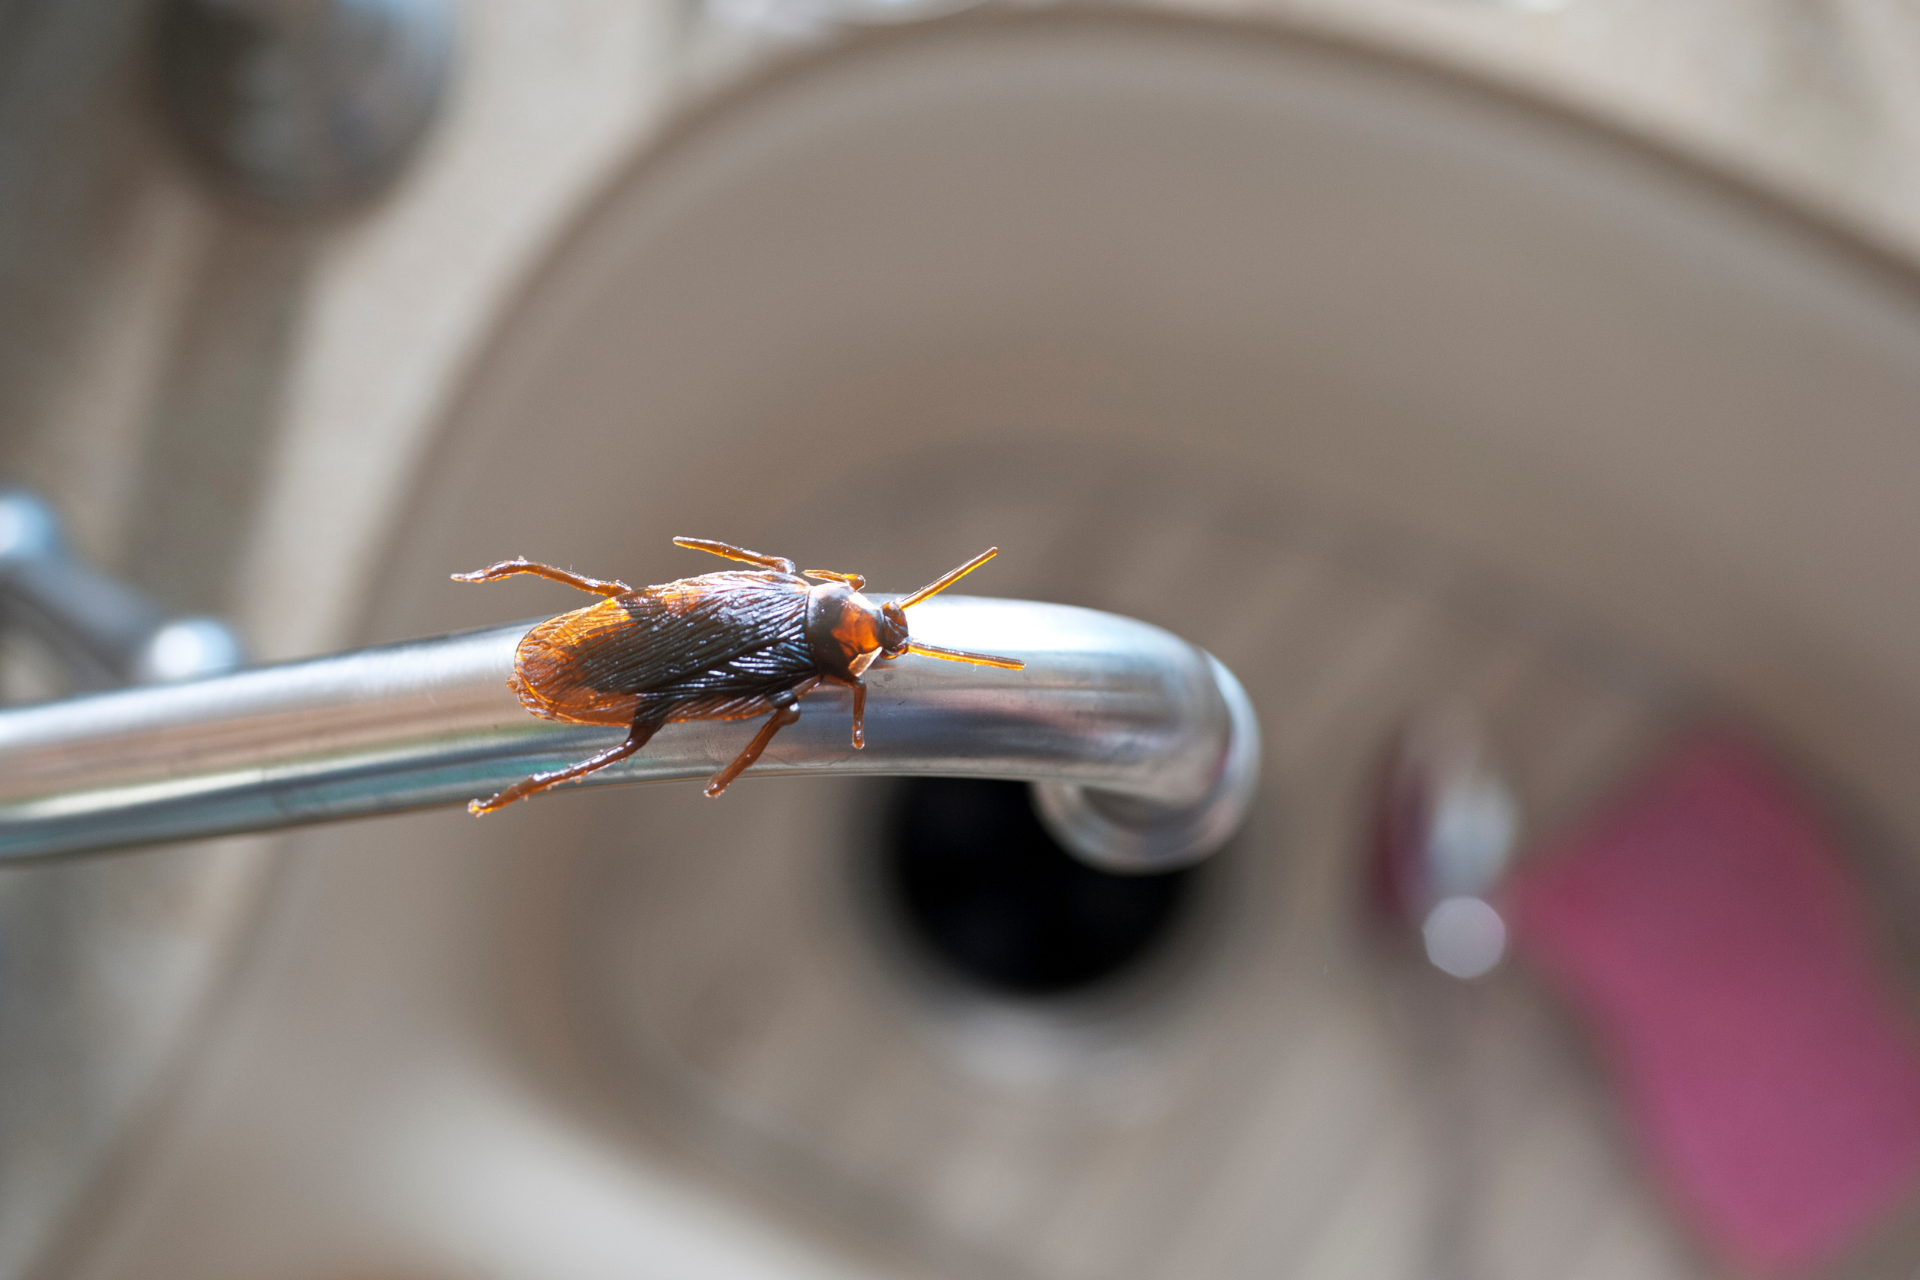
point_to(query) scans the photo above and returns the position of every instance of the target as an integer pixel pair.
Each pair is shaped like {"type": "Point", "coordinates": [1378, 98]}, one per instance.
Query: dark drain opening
{"type": "Point", "coordinates": [980, 882]}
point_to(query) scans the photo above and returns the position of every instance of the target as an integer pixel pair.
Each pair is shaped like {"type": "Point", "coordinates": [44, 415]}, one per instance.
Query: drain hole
{"type": "Point", "coordinates": [981, 883]}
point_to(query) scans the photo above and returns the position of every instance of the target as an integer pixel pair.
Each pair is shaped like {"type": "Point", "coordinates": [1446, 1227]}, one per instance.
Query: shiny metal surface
{"type": "Point", "coordinates": [1450, 829]}
{"type": "Point", "coordinates": [1151, 729]}
{"type": "Point", "coordinates": [304, 104]}
{"type": "Point", "coordinates": [1124, 831]}
{"type": "Point", "coordinates": [103, 632]}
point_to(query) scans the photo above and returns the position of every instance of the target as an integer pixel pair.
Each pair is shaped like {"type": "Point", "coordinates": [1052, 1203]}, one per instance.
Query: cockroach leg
{"type": "Point", "coordinates": [779, 564]}
{"type": "Point", "coordinates": [636, 739]}
{"type": "Point", "coordinates": [859, 713]}
{"type": "Point", "coordinates": [519, 564]}
{"type": "Point", "coordinates": [784, 714]}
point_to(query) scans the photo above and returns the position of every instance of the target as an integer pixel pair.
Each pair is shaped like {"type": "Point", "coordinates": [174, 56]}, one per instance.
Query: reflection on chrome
{"type": "Point", "coordinates": [1449, 832]}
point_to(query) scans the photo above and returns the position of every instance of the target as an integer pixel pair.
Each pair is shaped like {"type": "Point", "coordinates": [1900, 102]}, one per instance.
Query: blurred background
{"type": "Point", "coordinates": [1523, 399]}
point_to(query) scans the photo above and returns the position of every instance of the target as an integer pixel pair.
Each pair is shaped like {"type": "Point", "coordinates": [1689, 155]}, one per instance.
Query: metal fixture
{"type": "Point", "coordinates": [304, 104]}
{"type": "Point", "coordinates": [106, 634]}
{"type": "Point", "coordinates": [1448, 833]}
{"type": "Point", "coordinates": [1144, 748]}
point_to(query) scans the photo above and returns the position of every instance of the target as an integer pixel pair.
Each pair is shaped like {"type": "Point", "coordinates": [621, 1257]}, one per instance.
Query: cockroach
{"type": "Point", "coordinates": [720, 646]}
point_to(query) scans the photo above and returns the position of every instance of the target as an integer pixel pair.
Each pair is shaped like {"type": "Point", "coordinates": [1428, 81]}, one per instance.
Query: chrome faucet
{"type": "Point", "coordinates": [1144, 751]}
{"type": "Point", "coordinates": [103, 632]}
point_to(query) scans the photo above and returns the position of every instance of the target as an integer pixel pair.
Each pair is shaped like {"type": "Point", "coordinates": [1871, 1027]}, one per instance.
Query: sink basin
{"type": "Point", "coordinates": [1380, 385]}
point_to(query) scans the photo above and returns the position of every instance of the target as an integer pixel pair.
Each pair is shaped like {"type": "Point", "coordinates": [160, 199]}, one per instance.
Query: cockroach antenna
{"type": "Point", "coordinates": [934, 588]}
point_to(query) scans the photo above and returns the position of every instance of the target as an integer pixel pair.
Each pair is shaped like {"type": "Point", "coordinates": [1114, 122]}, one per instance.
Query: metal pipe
{"type": "Point", "coordinates": [1144, 750]}
{"type": "Point", "coordinates": [103, 632]}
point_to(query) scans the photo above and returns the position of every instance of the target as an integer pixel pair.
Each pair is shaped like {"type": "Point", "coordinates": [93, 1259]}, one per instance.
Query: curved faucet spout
{"type": "Point", "coordinates": [1143, 750]}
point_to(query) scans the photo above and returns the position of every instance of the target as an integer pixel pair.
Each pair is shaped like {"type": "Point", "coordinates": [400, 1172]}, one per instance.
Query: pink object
{"type": "Point", "coordinates": [1708, 933]}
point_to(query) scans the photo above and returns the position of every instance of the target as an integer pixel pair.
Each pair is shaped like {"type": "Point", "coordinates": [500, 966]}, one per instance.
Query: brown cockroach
{"type": "Point", "coordinates": [720, 646]}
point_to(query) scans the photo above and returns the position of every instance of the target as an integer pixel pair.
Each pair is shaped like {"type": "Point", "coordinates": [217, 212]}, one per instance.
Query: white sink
{"type": "Point", "coordinates": [1376, 383]}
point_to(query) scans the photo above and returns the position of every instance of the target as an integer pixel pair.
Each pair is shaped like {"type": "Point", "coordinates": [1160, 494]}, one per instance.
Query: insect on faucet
{"type": "Point", "coordinates": [720, 646]}
{"type": "Point", "coordinates": [1143, 750]}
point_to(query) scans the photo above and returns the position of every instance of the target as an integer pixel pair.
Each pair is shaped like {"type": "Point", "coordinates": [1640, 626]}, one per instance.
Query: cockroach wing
{"type": "Point", "coordinates": [721, 640]}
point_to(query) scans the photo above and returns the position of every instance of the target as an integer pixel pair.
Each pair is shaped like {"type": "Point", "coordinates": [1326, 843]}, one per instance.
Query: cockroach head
{"type": "Point", "coordinates": [893, 614]}
{"type": "Point", "coordinates": [893, 630]}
